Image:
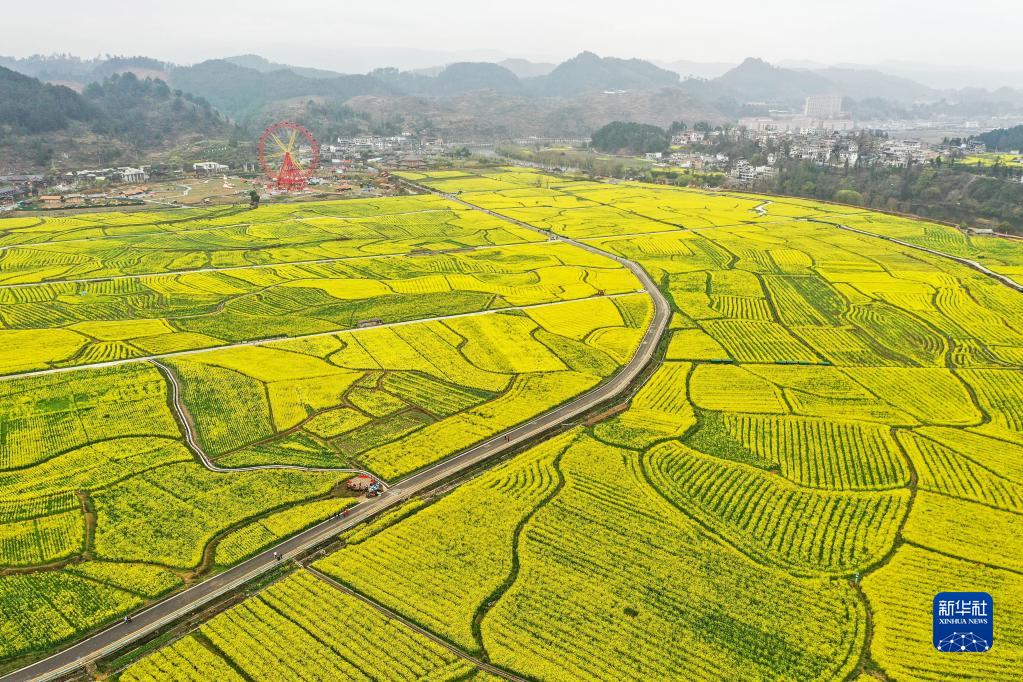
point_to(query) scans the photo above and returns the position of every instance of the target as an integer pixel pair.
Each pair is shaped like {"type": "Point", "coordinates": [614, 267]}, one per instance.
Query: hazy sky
{"type": "Point", "coordinates": [352, 35]}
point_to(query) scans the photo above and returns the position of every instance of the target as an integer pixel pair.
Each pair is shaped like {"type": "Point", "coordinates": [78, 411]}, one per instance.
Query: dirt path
{"type": "Point", "coordinates": [188, 430]}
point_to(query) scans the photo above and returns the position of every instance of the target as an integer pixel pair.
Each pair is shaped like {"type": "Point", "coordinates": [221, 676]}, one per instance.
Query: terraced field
{"type": "Point", "coordinates": [781, 499]}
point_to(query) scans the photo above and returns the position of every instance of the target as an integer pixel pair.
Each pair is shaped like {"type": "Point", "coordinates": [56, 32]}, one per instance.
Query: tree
{"type": "Point", "coordinates": [629, 137]}
{"type": "Point", "coordinates": [253, 198]}
{"type": "Point", "coordinates": [849, 196]}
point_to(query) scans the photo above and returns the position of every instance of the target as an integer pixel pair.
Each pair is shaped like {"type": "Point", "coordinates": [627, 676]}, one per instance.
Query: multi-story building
{"type": "Point", "coordinates": [209, 167]}
{"type": "Point", "coordinates": [823, 106]}
{"type": "Point", "coordinates": [133, 175]}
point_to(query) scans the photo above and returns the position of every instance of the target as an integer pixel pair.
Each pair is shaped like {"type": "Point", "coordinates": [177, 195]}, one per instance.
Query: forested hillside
{"type": "Point", "coordinates": [115, 121]}
{"type": "Point", "coordinates": [29, 106]}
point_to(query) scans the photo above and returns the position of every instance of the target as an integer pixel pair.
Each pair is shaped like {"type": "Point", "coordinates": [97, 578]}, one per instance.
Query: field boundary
{"type": "Point", "coordinates": [392, 615]}
{"type": "Point", "coordinates": [282, 339]}
{"type": "Point", "coordinates": [184, 419]}
{"type": "Point", "coordinates": [972, 264]}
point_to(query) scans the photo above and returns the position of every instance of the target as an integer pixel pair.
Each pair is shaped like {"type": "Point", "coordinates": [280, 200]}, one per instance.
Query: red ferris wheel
{"type": "Point", "coordinates": [289, 155]}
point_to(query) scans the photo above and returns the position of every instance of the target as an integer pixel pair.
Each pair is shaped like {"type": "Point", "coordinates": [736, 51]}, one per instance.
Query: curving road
{"type": "Point", "coordinates": [153, 618]}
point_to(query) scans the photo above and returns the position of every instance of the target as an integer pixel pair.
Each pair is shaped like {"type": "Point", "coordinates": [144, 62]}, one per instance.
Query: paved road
{"type": "Point", "coordinates": [279, 339]}
{"type": "Point", "coordinates": [1004, 279]}
{"type": "Point", "coordinates": [153, 618]}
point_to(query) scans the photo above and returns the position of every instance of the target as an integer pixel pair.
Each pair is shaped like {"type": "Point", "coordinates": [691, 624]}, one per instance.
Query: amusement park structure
{"type": "Point", "coordinates": [279, 155]}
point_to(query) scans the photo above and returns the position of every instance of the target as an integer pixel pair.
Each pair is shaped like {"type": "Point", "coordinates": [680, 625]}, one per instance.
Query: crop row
{"type": "Point", "coordinates": [611, 580]}
{"type": "Point", "coordinates": [660, 410]}
{"type": "Point", "coordinates": [439, 565]}
{"type": "Point", "coordinates": [303, 629]}
{"type": "Point", "coordinates": [793, 527]}
{"type": "Point", "coordinates": [824, 453]}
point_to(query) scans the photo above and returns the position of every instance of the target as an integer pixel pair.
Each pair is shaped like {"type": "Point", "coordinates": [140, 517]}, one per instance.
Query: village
{"type": "Point", "coordinates": [348, 166]}
{"type": "Point", "coordinates": [821, 134]}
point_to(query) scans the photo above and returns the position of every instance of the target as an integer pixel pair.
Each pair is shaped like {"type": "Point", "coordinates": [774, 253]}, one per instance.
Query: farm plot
{"type": "Point", "coordinates": [967, 466]}
{"type": "Point", "coordinates": [775, 521]}
{"type": "Point", "coordinates": [660, 410]}
{"type": "Point", "coordinates": [1001, 255]}
{"type": "Point", "coordinates": [71, 324]}
{"type": "Point", "coordinates": [607, 558]}
{"type": "Point", "coordinates": [265, 236]}
{"type": "Point", "coordinates": [441, 565]}
{"type": "Point", "coordinates": [301, 629]}
{"type": "Point", "coordinates": [41, 530]}
{"type": "Point", "coordinates": [823, 453]}
{"type": "Point", "coordinates": [901, 594]}
{"type": "Point", "coordinates": [394, 400]}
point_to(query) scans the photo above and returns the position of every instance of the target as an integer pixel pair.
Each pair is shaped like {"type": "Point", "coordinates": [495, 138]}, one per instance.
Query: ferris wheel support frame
{"type": "Point", "coordinates": [289, 174]}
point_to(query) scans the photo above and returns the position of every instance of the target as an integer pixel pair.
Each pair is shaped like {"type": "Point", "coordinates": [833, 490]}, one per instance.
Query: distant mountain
{"type": "Point", "coordinates": [81, 72]}
{"type": "Point", "coordinates": [140, 66]}
{"type": "Point", "coordinates": [469, 76]}
{"type": "Point", "coordinates": [486, 114]}
{"type": "Point", "coordinates": [690, 69]}
{"type": "Point", "coordinates": [432, 71]}
{"type": "Point", "coordinates": [755, 79]}
{"type": "Point", "coordinates": [980, 96]}
{"type": "Point", "coordinates": [241, 91]}
{"type": "Point", "coordinates": [452, 79]}
{"type": "Point", "coordinates": [954, 76]}
{"type": "Point", "coordinates": [587, 72]}
{"type": "Point", "coordinates": [523, 68]}
{"type": "Point", "coordinates": [263, 65]}
{"type": "Point", "coordinates": [865, 83]}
